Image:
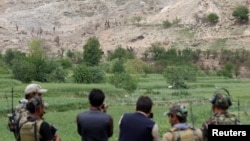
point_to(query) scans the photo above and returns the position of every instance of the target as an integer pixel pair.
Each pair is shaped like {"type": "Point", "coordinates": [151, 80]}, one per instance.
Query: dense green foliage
{"type": "Point", "coordinates": [177, 76]}
{"type": "Point", "coordinates": [124, 81]}
{"type": "Point", "coordinates": [121, 54]}
{"type": "Point", "coordinates": [92, 52]}
{"type": "Point", "coordinates": [37, 65]}
{"type": "Point", "coordinates": [87, 74]}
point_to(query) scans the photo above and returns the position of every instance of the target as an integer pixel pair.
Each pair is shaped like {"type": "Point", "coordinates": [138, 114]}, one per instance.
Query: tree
{"type": "Point", "coordinates": [81, 75]}
{"type": "Point", "coordinates": [23, 72]}
{"type": "Point", "coordinates": [37, 58]}
{"type": "Point", "coordinates": [11, 56]}
{"type": "Point", "coordinates": [156, 50]}
{"type": "Point", "coordinates": [121, 54]}
{"type": "Point", "coordinates": [178, 75]}
{"type": "Point", "coordinates": [241, 13]}
{"type": "Point", "coordinates": [124, 81]}
{"type": "Point", "coordinates": [87, 74]}
{"type": "Point", "coordinates": [135, 66]}
{"type": "Point", "coordinates": [92, 52]}
{"type": "Point", "coordinates": [213, 18]}
{"type": "Point", "coordinates": [117, 66]}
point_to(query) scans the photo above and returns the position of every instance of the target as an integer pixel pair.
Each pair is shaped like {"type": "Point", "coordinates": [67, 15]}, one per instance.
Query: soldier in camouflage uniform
{"type": "Point", "coordinates": [181, 130]}
{"type": "Point", "coordinates": [221, 101]}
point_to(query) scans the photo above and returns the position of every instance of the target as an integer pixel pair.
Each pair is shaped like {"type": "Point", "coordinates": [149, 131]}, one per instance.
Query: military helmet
{"type": "Point", "coordinates": [221, 98]}
{"type": "Point", "coordinates": [177, 109]}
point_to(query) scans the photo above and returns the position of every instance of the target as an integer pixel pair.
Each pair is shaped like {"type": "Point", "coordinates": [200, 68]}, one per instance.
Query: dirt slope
{"type": "Point", "coordinates": [74, 21]}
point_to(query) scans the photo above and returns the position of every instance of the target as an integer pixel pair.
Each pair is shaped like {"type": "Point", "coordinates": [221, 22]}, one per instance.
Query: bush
{"type": "Point", "coordinates": [241, 14]}
{"type": "Point", "coordinates": [66, 63]}
{"type": "Point", "coordinates": [84, 74]}
{"type": "Point", "coordinates": [117, 66]}
{"type": "Point", "coordinates": [124, 81]}
{"type": "Point", "coordinates": [98, 75]}
{"type": "Point", "coordinates": [178, 75]}
{"type": "Point", "coordinates": [135, 66]}
{"type": "Point", "coordinates": [213, 18]}
{"type": "Point", "coordinates": [57, 75]}
{"type": "Point", "coordinates": [166, 24]}
{"type": "Point", "coordinates": [121, 53]}
{"type": "Point", "coordinates": [23, 72]}
{"type": "Point", "coordinates": [12, 55]}
{"type": "Point", "coordinates": [156, 50]}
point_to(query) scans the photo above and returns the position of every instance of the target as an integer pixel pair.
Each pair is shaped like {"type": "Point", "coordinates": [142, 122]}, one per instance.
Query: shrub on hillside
{"type": "Point", "coordinates": [213, 18]}
{"type": "Point", "coordinates": [241, 14]}
{"type": "Point", "coordinates": [166, 23]}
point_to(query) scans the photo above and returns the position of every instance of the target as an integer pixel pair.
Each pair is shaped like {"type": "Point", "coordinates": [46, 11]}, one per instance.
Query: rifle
{"type": "Point", "coordinates": [12, 124]}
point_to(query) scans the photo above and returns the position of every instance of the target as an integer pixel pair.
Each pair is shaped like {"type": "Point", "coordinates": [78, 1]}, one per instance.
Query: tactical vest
{"type": "Point", "coordinates": [188, 134]}
{"type": "Point", "coordinates": [30, 130]}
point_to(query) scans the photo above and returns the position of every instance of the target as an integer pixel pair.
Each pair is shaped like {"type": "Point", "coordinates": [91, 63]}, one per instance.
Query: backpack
{"type": "Point", "coordinates": [15, 118]}
{"type": "Point", "coordinates": [189, 134]}
{"type": "Point", "coordinates": [30, 130]}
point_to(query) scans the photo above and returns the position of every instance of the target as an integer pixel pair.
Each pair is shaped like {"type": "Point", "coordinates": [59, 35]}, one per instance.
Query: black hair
{"type": "Point", "coordinates": [96, 97]}
{"type": "Point", "coordinates": [33, 104]}
{"type": "Point", "coordinates": [144, 104]}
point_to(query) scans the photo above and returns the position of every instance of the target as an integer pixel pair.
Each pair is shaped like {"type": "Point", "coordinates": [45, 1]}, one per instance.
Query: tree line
{"type": "Point", "coordinates": [119, 67]}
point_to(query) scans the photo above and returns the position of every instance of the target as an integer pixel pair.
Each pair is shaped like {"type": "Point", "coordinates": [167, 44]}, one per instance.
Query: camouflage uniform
{"type": "Point", "coordinates": [223, 118]}
{"type": "Point", "coordinates": [181, 131]}
{"type": "Point", "coordinates": [223, 102]}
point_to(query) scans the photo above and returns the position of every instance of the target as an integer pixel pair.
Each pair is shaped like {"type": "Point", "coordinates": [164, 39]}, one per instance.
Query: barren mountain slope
{"type": "Point", "coordinates": [74, 21]}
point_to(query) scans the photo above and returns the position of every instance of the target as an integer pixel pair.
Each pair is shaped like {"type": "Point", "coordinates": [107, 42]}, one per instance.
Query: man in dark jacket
{"type": "Point", "coordinates": [95, 124]}
{"type": "Point", "coordinates": [138, 126]}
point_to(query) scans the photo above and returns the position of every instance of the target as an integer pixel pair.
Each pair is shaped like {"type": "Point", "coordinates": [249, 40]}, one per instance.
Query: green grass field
{"type": "Point", "coordinates": [66, 100]}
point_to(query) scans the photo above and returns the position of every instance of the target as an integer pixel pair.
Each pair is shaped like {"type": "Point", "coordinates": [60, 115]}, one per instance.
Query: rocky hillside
{"type": "Point", "coordinates": [67, 24]}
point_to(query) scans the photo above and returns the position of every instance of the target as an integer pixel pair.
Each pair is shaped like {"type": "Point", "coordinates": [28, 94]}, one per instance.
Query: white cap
{"type": "Point", "coordinates": [34, 88]}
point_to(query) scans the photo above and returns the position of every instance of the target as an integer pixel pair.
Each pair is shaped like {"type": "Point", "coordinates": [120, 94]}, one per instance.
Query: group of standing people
{"type": "Point", "coordinates": [27, 122]}
{"type": "Point", "coordinates": [96, 125]}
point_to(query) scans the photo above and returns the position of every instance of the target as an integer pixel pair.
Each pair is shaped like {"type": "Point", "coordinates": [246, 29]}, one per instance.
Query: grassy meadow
{"type": "Point", "coordinates": [66, 100]}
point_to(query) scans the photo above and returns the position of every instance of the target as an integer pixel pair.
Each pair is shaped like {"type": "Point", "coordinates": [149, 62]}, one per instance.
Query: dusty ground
{"type": "Point", "coordinates": [74, 21]}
